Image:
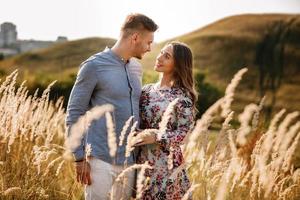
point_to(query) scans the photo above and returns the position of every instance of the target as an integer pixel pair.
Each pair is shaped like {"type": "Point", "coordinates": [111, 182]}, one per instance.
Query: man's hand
{"type": "Point", "coordinates": [83, 171]}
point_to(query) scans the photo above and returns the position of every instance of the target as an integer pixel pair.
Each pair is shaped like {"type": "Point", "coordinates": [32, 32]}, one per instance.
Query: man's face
{"type": "Point", "coordinates": [142, 43]}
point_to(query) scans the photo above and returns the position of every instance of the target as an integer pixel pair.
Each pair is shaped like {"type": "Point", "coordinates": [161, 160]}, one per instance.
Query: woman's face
{"type": "Point", "coordinates": [165, 60]}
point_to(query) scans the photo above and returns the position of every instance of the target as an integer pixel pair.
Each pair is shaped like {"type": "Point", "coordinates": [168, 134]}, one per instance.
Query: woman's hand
{"type": "Point", "coordinates": [147, 136]}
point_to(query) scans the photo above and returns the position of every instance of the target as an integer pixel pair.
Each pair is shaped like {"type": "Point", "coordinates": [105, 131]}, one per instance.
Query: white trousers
{"type": "Point", "coordinates": [103, 185]}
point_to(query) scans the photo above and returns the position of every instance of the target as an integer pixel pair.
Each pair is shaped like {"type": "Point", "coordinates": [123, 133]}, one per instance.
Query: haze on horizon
{"type": "Point", "coordinates": [47, 19]}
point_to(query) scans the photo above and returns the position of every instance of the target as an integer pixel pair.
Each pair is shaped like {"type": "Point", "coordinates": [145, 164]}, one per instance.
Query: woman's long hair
{"type": "Point", "coordinates": [183, 69]}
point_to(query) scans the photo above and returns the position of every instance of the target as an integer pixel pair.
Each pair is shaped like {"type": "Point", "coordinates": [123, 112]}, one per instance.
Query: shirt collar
{"type": "Point", "coordinates": [118, 58]}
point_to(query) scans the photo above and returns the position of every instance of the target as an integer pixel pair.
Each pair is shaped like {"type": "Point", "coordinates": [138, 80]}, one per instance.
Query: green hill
{"type": "Point", "coordinates": [270, 42]}
{"type": "Point", "coordinates": [267, 43]}
{"type": "Point", "coordinates": [56, 62]}
{"type": "Point", "coordinates": [59, 62]}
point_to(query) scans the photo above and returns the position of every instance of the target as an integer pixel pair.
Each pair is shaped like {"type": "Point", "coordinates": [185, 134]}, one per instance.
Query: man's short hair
{"type": "Point", "coordinates": [138, 22]}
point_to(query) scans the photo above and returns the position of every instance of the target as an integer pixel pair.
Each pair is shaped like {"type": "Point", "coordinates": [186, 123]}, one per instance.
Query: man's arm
{"type": "Point", "coordinates": [80, 99]}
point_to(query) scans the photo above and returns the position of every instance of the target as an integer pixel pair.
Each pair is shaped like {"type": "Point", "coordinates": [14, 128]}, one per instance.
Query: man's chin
{"type": "Point", "coordinates": [138, 57]}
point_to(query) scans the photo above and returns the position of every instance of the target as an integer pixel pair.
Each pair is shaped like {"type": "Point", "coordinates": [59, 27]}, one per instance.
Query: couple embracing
{"type": "Point", "coordinates": [113, 76]}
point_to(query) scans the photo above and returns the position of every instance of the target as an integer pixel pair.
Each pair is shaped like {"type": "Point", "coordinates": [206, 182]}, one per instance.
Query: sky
{"type": "Point", "coordinates": [75, 19]}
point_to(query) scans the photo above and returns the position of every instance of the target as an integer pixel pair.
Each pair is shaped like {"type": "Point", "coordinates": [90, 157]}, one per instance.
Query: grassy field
{"type": "Point", "coordinates": [245, 161]}
{"type": "Point", "coordinates": [229, 155]}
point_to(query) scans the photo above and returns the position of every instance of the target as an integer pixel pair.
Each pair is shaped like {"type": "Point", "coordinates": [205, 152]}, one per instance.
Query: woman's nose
{"type": "Point", "coordinates": [159, 57]}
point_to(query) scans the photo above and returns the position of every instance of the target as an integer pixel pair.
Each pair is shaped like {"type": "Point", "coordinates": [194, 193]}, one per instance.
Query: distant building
{"type": "Point", "coordinates": [8, 52]}
{"type": "Point", "coordinates": [10, 45]}
{"type": "Point", "coordinates": [8, 34]}
{"type": "Point", "coordinates": [28, 45]}
{"type": "Point", "coordinates": [61, 39]}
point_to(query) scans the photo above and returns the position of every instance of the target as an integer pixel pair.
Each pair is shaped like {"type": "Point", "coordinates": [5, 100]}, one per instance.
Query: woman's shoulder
{"type": "Point", "coordinates": [180, 92]}
{"type": "Point", "coordinates": [183, 95]}
{"type": "Point", "coordinates": [147, 87]}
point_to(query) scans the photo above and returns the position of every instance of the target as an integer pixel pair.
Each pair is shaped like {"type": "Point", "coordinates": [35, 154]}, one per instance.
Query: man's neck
{"type": "Point", "coordinates": [121, 50]}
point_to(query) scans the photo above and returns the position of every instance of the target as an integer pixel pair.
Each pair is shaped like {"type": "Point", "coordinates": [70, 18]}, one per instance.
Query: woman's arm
{"type": "Point", "coordinates": [185, 122]}
{"type": "Point", "coordinates": [168, 138]}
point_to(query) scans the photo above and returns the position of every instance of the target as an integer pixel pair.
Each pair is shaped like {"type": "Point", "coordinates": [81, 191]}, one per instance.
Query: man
{"type": "Point", "coordinates": [112, 76]}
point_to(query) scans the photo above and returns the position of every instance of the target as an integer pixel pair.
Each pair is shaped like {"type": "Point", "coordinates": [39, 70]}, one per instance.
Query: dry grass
{"type": "Point", "coordinates": [31, 146]}
{"type": "Point", "coordinates": [245, 162]}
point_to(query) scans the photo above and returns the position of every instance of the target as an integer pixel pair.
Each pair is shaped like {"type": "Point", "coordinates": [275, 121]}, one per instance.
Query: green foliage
{"type": "Point", "coordinates": [2, 72]}
{"type": "Point", "coordinates": [1, 56]}
{"type": "Point", "coordinates": [208, 94]}
{"type": "Point", "coordinates": [33, 56]}
{"type": "Point", "coordinates": [149, 77]}
{"type": "Point", "coordinates": [62, 88]}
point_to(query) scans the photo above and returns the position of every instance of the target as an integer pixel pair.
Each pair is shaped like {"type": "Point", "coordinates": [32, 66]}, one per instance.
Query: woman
{"type": "Point", "coordinates": [161, 148]}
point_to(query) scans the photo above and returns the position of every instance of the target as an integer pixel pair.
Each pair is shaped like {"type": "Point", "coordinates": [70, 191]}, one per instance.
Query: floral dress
{"type": "Point", "coordinates": [153, 102]}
